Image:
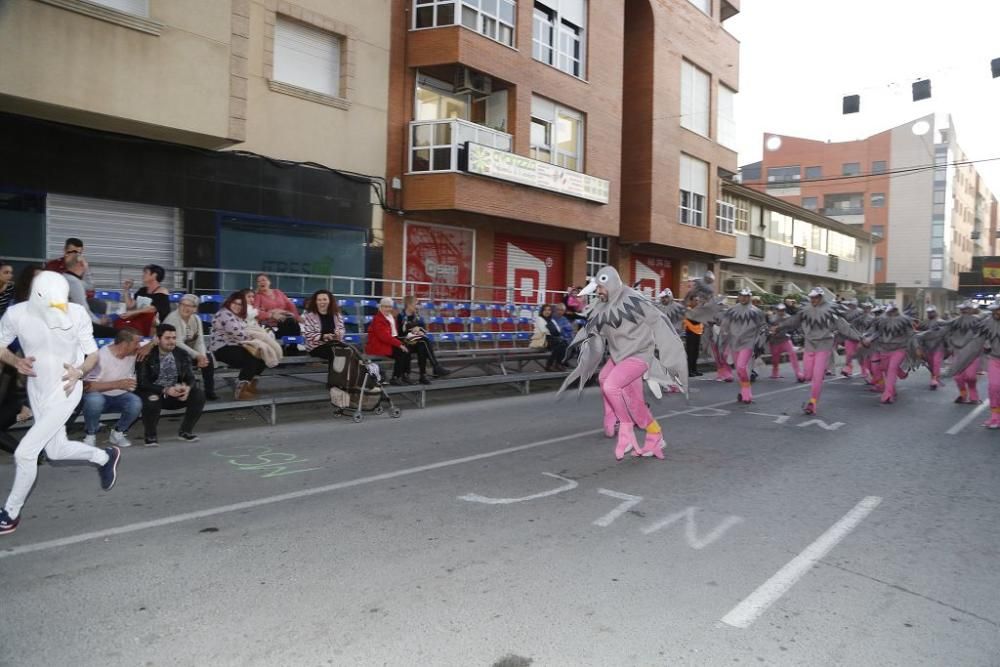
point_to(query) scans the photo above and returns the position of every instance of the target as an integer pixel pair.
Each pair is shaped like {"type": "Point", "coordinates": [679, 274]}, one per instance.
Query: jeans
{"type": "Point", "coordinates": [152, 404]}
{"type": "Point", "coordinates": [95, 403]}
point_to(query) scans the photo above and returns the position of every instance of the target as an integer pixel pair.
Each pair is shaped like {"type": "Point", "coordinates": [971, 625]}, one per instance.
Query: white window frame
{"type": "Point", "coordinates": [559, 35]}
{"type": "Point", "coordinates": [725, 126]}
{"type": "Point", "coordinates": [435, 6]}
{"type": "Point", "coordinates": [598, 254]}
{"type": "Point", "coordinates": [543, 40]}
{"type": "Point", "coordinates": [303, 67]}
{"type": "Point", "coordinates": [545, 112]}
{"type": "Point", "coordinates": [696, 86]}
{"type": "Point", "coordinates": [691, 206]}
{"type": "Point", "coordinates": [489, 24]}
{"type": "Point", "coordinates": [725, 217]}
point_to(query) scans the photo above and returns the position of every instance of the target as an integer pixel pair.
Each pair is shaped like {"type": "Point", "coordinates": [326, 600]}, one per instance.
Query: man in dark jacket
{"type": "Point", "coordinates": [165, 380]}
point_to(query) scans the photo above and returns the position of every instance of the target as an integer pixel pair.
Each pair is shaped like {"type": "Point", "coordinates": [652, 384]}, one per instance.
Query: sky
{"type": "Point", "coordinates": [798, 58]}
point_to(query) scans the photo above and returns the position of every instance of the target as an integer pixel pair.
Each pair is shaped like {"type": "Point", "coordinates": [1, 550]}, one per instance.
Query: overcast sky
{"type": "Point", "coordinates": [798, 58]}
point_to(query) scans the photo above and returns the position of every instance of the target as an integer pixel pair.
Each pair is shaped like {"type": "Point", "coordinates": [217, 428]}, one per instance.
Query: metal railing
{"type": "Point", "coordinates": [435, 145]}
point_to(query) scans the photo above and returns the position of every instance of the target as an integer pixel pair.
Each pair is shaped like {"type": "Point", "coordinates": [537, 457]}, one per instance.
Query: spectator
{"type": "Point", "coordinates": [574, 304]}
{"type": "Point", "coordinates": [384, 341]}
{"type": "Point", "coordinates": [412, 327]}
{"type": "Point", "coordinates": [166, 380]}
{"type": "Point", "coordinates": [22, 286]}
{"type": "Point", "coordinates": [76, 269]}
{"type": "Point", "coordinates": [71, 248]}
{"type": "Point", "coordinates": [110, 386]}
{"type": "Point", "coordinates": [140, 314]}
{"type": "Point", "coordinates": [191, 340]}
{"type": "Point", "coordinates": [231, 344]}
{"type": "Point", "coordinates": [6, 286]}
{"type": "Point", "coordinates": [322, 324]}
{"type": "Point", "coordinates": [275, 310]}
{"type": "Point", "coordinates": [565, 326]}
{"type": "Point", "coordinates": [547, 335]}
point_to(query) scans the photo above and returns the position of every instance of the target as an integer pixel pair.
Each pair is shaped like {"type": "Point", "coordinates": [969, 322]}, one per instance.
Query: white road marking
{"type": "Point", "coordinates": [778, 419]}
{"type": "Point", "coordinates": [476, 498]}
{"type": "Point", "coordinates": [630, 502]}
{"type": "Point", "coordinates": [750, 609]}
{"type": "Point", "coordinates": [327, 488]}
{"type": "Point", "coordinates": [691, 527]}
{"type": "Point", "coordinates": [822, 424]}
{"type": "Point", "coordinates": [954, 430]}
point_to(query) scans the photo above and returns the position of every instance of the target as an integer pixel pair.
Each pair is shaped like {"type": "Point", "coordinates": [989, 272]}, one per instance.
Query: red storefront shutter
{"type": "Point", "coordinates": [652, 273]}
{"type": "Point", "coordinates": [531, 270]}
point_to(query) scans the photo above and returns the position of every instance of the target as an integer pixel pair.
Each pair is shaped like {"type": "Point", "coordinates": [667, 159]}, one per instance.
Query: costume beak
{"type": "Point", "coordinates": [589, 289]}
{"type": "Point", "coordinates": [61, 306]}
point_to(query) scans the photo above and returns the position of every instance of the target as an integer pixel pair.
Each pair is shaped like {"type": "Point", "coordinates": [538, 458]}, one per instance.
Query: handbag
{"type": "Point", "coordinates": [538, 340]}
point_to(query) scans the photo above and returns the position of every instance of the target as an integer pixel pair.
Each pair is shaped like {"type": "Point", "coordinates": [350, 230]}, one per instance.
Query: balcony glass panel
{"type": "Point", "coordinates": [436, 145]}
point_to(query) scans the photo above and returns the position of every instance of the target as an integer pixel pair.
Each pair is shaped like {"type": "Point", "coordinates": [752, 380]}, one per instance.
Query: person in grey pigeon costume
{"type": "Point", "coordinates": [890, 335]}
{"type": "Point", "coordinates": [955, 334]}
{"type": "Point", "coordinates": [673, 309]}
{"type": "Point", "coordinates": [986, 341]}
{"type": "Point", "coordinates": [744, 329]}
{"type": "Point", "coordinates": [642, 344]}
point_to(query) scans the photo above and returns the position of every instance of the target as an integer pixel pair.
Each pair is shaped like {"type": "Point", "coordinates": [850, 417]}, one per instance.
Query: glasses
{"type": "Point", "coordinates": [74, 252]}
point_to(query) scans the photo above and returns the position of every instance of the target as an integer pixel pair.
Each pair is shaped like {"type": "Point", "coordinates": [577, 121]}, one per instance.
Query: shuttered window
{"type": "Point", "coordinates": [136, 7]}
{"type": "Point", "coordinates": [307, 57]}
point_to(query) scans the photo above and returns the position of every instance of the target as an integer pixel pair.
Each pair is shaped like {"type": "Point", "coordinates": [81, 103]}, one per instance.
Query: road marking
{"type": "Point", "coordinates": [954, 430]}
{"type": "Point", "coordinates": [691, 527]}
{"type": "Point", "coordinates": [327, 488]}
{"type": "Point", "coordinates": [486, 500]}
{"type": "Point", "coordinates": [822, 424]}
{"type": "Point", "coordinates": [747, 611]}
{"type": "Point", "coordinates": [778, 419]}
{"type": "Point", "coordinates": [630, 502]}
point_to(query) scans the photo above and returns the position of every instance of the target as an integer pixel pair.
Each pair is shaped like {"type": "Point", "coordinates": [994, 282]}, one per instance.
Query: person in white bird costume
{"type": "Point", "coordinates": [59, 350]}
{"type": "Point", "coordinates": [642, 344]}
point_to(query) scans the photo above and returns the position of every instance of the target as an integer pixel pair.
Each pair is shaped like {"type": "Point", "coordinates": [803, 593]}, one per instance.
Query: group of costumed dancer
{"type": "Point", "coordinates": [644, 347]}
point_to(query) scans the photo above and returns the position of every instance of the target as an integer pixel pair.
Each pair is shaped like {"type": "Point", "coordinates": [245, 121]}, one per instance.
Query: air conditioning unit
{"type": "Point", "coordinates": [729, 285]}
{"type": "Point", "coordinates": [469, 81]}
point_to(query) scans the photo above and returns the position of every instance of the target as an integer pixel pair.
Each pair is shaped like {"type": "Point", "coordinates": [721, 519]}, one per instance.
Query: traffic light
{"type": "Point", "coordinates": [852, 104]}
{"type": "Point", "coordinates": [921, 90]}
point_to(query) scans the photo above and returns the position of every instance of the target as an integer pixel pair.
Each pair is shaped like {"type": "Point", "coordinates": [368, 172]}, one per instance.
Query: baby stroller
{"type": "Point", "coordinates": [355, 384]}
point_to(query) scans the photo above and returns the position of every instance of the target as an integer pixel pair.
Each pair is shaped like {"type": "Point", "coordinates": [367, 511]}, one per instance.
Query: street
{"type": "Point", "coordinates": [501, 531]}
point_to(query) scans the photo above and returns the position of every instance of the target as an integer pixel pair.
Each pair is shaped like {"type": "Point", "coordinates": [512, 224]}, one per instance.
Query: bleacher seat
{"type": "Point", "coordinates": [108, 295]}
{"type": "Point", "coordinates": [175, 297]}
{"type": "Point", "coordinates": [298, 301]}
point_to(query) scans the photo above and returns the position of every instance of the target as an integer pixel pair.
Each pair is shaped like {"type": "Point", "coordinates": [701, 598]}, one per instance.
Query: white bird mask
{"type": "Point", "coordinates": [49, 300]}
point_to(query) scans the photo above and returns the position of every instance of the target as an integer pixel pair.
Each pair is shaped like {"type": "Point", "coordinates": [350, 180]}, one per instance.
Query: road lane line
{"type": "Point", "coordinates": [750, 609]}
{"type": "Point", "coordinates": [305, 493]}
{"type": "Point", "coordinates": [954, 430]}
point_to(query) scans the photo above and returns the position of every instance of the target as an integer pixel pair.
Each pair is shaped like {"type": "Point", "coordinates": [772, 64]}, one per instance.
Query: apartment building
{"type": "Point", "coordinates": [175, 132]}
{"type": "Point", "coordinates": [783, 249]}
{"type": "Point", "coordinates": [910, 185]}
{"type": "Point", "coordinates": [526, 147]}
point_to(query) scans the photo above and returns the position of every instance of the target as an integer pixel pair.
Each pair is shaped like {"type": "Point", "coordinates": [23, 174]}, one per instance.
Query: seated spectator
{"type": "Point", "coordinates": [231, 344]}
{"type": "Point", "coordinates": [166, 380]}
{"type": "Point", "coordinates": [71, 248]}
{"type": "Point", "coordinates": [6, 286]}
{"type": "Point", "coordinates": [141, 314]}
{"type": "Point", "coordinates": [414, 331]}
{"type": "Point", "coordinates": [384, 341]}
{"type": "Point", "coordinates": [565, 326]}
{"type": "Point", "coordinates": [547, 335]}
{"type": "Point", "coordinates": [275, 310]}
{"type": "Point", "coordinates": [191, 340]}
{"type": "Point", "coordinates": [76, 269]}
{"type": "Point", "coordinates": [322, 324]}
{"type": "Point", "coordinates": [574, 304]}
{"type": "Point", "coordinates": [109, 387]}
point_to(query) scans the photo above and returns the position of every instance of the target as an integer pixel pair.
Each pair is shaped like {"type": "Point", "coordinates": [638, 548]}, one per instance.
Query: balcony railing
{"type": "Point", "coordinates": [435, 145]}
{"type": "Point", "coordinates": [843, 210]}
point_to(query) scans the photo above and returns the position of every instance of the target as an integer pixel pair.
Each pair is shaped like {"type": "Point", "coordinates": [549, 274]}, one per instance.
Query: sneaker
{"type": "Point", "coordinates": [424, 380]}
{"type": "Point", "coordinates": [90, 439]}
{"type": "Point", "coordinates": [151, 442]}
{"type": "Point", "coordinates": [188, 437]}
{"type": "Point", "coordinates": [8, 525]}
{"type": "Point", "coordinates": [109, 471]}
{"type": "Point", "coordinates": [119, 439]}
{"type": "Point", "coordinates": [441, 371]}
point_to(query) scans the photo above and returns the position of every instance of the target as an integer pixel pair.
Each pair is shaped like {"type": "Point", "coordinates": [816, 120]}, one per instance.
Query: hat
{"type": "Point", "coordinates": [385, 301]}
{"type": "Point", "coordinates": [867, 304]}
{"type": "Point", "coordinates": [816, 291]}
{"type": "Point", "coordinates": [746, 292]}
{"type": "Point", "coordinates": [851, 302]}
{"type": "Point", "coordinates": [780, 306]}
{"type": "Point", "coordinates": [931, 309]}
{"type": "Point", "coordinates": [665, 292]}
{"type": "Point", "coordinates": [967, 305]}
{"type": "Point", "coordinates": [891, 306]}
{"type": "Point", "coordinates": [994, 306]}
{"type": "Point", "coordinates": [879, 308]}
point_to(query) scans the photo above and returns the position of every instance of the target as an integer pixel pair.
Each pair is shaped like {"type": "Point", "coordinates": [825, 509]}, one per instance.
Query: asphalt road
{"type": "Point", "coordinates": [501, 531]}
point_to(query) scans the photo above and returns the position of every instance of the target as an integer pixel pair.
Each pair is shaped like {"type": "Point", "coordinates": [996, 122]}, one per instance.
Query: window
{"type": "Point", "coordinates": [557, 35]}
{"type": "Point", "coordinates": [784, 174]}
{"type": "Point", "coordinates": [694, 98]}
{"type": "Point", "coordinates": [842, 246]}
{"type": "Point", "coordinates": [725, 217]}
{"type": "Point", "coordinates": [492, 18]}
{"type": "Point", "coordinates": [878, 199]}
{"type": "Point", "coordinates": [136, 7]}
{"type": "Point", "coordinates": [306, 57]}
{"type": "Point", "coordinates": [556, 134]}
{"type": "Point", "coordinates": [818, 240]}
{"type": "Point", "coordinates": [780, 227]}
{"type": "Point", "coordinates": [809, 203]}
{"type": "Point", "coordinates": [694, 188]}
{"type": "Point", "coordinates": [851, 169]}
{"type": "Point", "coordinates": [878, 230]}
{"type": "Point", "coordinates": [799, 258]}
{"type": "Point", "coordinates": [939, 196]}
{"type": "Point", "coordinates": [436, 101]}
{"type": "Point", "coordinates": [703, 5]}
{"type": "Point", "coordinates": [833, 263]}
{"type": "Point", "coordinates": [726, 121]}
{"type": "Point", "coordinates": [814, 172]}
{"type": "Point", "coordinates": [878, 167]}
{"type": "Point", "coordinates": [742, 216]}
{"type": "Point", "coordinates": [879, 264]}
{"type": "Point", "coordinates": [847, 203]}
{"type": "Point", "coordinates": [598, 254]}
{"type": "Point", "coordinates": [757, 245]}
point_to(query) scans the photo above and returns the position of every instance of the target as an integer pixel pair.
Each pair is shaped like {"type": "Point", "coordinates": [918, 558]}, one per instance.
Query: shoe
{"type": "Point", "coordinates": [695, 374]}
{"type": "Point", "coordinates": [441, 371]}
{"type": "Point", "coordinates": [961, 399]}
{"type": "Point", "coordinates": [8, 525]}
{"type": "Point", "coordinates": [212, 396]}
{"type": "Point", "coordinates": [626, 441]}
{"type": "Point", "coordinates": [188, 437]}
{"type": "Point", "coordinates": [652, 446]}
{"type": "Point", "coordinates": [109, 471]}
{"type": "Point", "coordinates": [90, 439]}
{"type": "Point", "coordinates": [243, 391]}
{"type": "Point", "coordinates": [253, 386]}
{"type": "Point", "coordinates": [151, 442]}
{"type": "Point", "coordinates": [424, 380]}
{"type": "Point", "coordinates": [119, 439]}
{"type": "Point", "coordinates": [408, 381]}
{"type": "Point", "coordinates": [396, 382]}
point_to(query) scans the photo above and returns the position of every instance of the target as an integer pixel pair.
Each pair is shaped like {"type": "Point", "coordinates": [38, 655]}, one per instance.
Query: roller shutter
{"type": "Point", "coordinates": [531, 270]}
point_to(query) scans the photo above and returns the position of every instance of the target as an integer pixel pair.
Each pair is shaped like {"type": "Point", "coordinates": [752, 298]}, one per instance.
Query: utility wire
{"type": "Point", "coordinates": [890, 173]}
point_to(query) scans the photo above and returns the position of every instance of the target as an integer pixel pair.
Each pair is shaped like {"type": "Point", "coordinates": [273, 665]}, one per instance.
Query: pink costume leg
{"type": "Point", "coordinates": [723, 371]}
{"type": "Point", "coordinates": [793, 358]}
{"type": "Point", "coordinates": [965, 380]}
{"type": "Point", "coordinates": [818, 360]}
{"type": "Point", "coordinates": [971, 380]}
{"type": "Point", "coordinates": [850, 349]}
{"type": "Point", "coordinates": [878, 381]}
{"type": "Point", "coordinates": [993, 371]}
{"type": "Point", "coordinates": [934, 361]}
{"type": "Point", "coordinates": [622, 398]}
{"type": "Point", "coordinates": [609, 412]}
{"type": "Point", "coordinates": [776, 351]}
{"type": "Point", "coordinates": [892, 360]}
{"type": "Point", "coordinates": [743, 358]}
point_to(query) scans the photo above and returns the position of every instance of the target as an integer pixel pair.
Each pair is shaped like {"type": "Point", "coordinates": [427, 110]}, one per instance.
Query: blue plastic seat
{"type": "Point", "coordinates": [353, 339]}
{"type": "Point", "coordinates": [212, 298]}
{"type": "Point", "coordinates": [108, 295]}
{"type": "Point", "coordinates": [175, 297]}
{"type": "Point", "coordinates": [298, 301]}
{"type": "Point", "coordinates": [293, 340]}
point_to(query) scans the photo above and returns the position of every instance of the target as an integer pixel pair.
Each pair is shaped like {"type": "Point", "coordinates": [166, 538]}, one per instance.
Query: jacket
{"type": "Point", "coordinates": [380, 338]}
{"type": "Point", "coordinates": [147, 372]}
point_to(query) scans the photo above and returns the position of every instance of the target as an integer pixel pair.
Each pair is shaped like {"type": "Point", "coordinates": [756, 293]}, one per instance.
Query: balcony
{"type": "Point", "coordinates": [437, 145]}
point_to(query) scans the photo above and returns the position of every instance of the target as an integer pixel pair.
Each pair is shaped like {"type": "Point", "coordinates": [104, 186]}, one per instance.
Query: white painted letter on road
{"type": "Point", "coordinates": [691, 528]}
{"type": "Point", "coordinates": [476, 498]}
{"type": "Point", "coordinates": [630, 502]}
